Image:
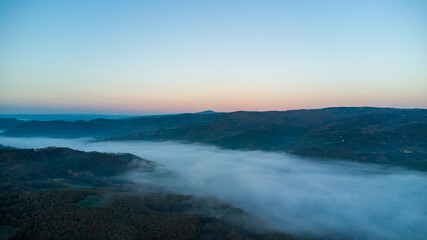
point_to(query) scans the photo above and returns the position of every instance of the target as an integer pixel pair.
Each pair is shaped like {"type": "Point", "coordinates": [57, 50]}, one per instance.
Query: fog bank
{"type": "Point", "coordinates": [290, 194]}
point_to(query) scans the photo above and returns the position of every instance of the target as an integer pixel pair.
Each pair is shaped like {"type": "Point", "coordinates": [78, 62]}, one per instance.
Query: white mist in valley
{"type": "Point", "coordinates": [288, 193]}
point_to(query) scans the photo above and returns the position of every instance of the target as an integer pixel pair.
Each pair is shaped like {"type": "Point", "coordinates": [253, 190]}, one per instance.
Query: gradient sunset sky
{"type": "Point", "coordinates": [137, 57]}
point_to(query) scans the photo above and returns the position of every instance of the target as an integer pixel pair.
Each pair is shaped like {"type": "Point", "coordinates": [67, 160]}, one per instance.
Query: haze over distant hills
{"type": "Point", "coordinates": [379, 135]}
{"type": "Point", "coordinates": [64, 117]}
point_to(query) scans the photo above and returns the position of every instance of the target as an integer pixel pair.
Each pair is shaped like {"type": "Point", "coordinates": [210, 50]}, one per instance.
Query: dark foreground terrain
{"type": "Point", "coordinates": [60, 193]}
{"type": "Point", "coordinates": [387, 136]}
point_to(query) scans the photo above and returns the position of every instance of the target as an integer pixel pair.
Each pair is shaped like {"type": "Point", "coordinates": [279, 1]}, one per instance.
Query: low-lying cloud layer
{"type": "Point", "coordinates": [290, 194]}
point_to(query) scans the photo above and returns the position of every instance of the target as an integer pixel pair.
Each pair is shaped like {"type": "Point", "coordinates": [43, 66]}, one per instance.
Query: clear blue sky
{"type": "Point", "coordinates": [129, 57]}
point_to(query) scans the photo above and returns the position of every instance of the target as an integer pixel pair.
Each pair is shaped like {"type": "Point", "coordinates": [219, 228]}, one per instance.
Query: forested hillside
{"type": "Point", "coordinates": [60, 193]}
{"type": "Point", "coordinates": [394, 137]}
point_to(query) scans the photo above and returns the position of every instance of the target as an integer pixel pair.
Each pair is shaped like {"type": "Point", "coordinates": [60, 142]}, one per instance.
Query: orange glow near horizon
{"type": "Point", "coordinates": [183, 56]}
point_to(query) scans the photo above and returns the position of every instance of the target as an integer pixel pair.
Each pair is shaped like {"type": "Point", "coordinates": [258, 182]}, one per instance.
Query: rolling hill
{"type": "Point", "coordinates": [395, 137]}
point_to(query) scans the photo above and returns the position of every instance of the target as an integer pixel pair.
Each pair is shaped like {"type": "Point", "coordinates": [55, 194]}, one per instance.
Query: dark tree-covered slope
{"type": "Point", "coordinates": [40, 200]}
{"type": "Point", "coordinates": [53, 162]}
{"type": "Point", "coordinates": [22, 169]}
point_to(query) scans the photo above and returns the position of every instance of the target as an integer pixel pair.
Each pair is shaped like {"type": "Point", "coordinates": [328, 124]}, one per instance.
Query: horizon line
{"type": "Point", "coordinates": [208, 110]}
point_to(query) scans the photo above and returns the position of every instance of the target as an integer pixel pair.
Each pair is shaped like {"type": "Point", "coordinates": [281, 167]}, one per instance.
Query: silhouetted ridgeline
{"type": "Point", "coordinates": [377, 135]}
{"type": "Point", "coordinates": [103, 127]}
{"type": "Point", "coordinates": [6, 123]}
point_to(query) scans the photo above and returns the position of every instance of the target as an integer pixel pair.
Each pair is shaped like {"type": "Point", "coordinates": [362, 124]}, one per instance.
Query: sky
{"type": "Point", "coordinates": [138, 57]}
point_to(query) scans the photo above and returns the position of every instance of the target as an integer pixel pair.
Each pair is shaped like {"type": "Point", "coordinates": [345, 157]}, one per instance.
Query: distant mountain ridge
{"type": "Point", "coordinates": [102, 127]}
{"type": "Point", "coordinates": [396, 137]}
{"type": "Point", "coordinates": [63, 117]}
{"type": "Point", "coordinates": [6, 123]}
